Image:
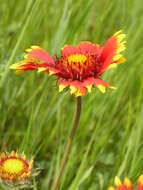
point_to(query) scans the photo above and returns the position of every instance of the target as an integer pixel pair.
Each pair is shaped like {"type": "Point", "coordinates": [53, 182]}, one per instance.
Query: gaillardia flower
{"type": "Point", "coordinates": [127, 184]}
{"type": "Point", "coordinates": [78, 68]}
{"type": "Point", "coordinates": [14, 168]}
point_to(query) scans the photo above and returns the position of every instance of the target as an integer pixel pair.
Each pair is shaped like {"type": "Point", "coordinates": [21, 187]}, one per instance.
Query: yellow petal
{"type": "Point", "coordinates": [116, 57]}
{"type": "Point", "coordinates": [18, 72]}
{"type": "Point", "coordinates": [16, 65]}
{"type": "Point", "coordinates": [41, 69]}
{"type": "Point", "coordinates": [127, 182]}
{"type": "Point", "coordinates": [89, 87]}
{"type": "Point", "coordinates": [13, 66]}
{"type": "Point", "coordinates": [12, 153]}
{"type": "Point", "coordinates": [31, 164]}
{"type": "Point", "coordinates": [28, 50]}
{"type": "Point", "coordinates": [72, 89]}
{"type": "Point", "coordinates": [112, 66]}
{"type": "Point", "coordinates": [78, 93]}
{"type": "Point", "coordinates": [121, 60]}
{"type": "Point", "coordinates": [51, 72]}
{"type": "Point", "coordinates": [101, 88]}
{"type": "Point", "coordinates": [35, 47]}
{"type": "Point", "coordinates": [26, 56]}
{"type": "Point", "coordinates": [2, 155]}
{"type": "Point", "coordinates": [113, 87]}
{"type": "Point", "coordinates": [24, 157]}
{"type": "Point", "coordinates": [28, 174]}
{"type": "Point", "coordinates": [16, 154]}
{"type": "Point", "coordinates": [111, 188]}
{"type": "Point", "coordinates": [117, 181]}
{"type": "Point", "coordinates": [118, 32]}
{"type": "Point", "coordinates": [121, 37]}
{"type": "Point", "coordinates": [141, 179]}
{"type": "Point", "coordinates": [61, 87]}
{"type": "Point", "coordinates": [120, 49]}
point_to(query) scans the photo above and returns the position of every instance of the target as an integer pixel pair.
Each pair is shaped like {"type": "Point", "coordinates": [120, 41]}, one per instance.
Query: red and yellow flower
{"type": "Point", "coordinates": [14, 168]}
{"type": "Point", "coordinates": [78, 68]}
{"type": "Point", "coordinates": [127, 184]}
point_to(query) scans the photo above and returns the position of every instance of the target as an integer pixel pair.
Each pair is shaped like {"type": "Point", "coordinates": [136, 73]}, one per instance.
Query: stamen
{"type": "Point", "coordinates": [77, 58]}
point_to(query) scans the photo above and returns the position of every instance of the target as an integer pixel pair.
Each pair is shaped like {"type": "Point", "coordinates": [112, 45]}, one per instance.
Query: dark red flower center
{"type": "Point", "coordinates": [78, 66]}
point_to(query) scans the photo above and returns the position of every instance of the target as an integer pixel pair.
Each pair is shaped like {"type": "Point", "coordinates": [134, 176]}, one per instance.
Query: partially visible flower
{"type": "Point", "coordinates": [78, 68]}
{"type": "Point", "coordinates": [127, 184]}
{"type": "Point", "coordinates": [14, 168]}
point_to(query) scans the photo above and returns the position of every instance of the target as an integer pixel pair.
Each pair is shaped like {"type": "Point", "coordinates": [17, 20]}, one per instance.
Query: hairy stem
{"type": "Point", "coordinates": [68, 146]}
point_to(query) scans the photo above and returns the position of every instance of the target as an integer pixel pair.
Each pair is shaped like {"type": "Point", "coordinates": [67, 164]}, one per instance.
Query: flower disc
{"type": "Point", "coordinates": [14, 168]}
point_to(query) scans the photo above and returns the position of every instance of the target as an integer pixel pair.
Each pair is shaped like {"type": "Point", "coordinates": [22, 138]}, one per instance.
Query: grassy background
{"type": "Point", "coordinates": [36, 119]}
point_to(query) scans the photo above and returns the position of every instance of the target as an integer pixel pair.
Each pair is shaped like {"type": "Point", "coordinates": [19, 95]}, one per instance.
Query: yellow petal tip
{"type": "Point", "coordinates": [117, 181]}
{"type": "Point", "coordinates": [127, 182]}
{"type": "Point", "coordinates": [61, 87]}
{"type": "Point", "coordinates": [35, 47]}
{"type": "Point", "coordinates": [41, 69]}
{"type": "Point", "coordinates": [101, 88]}
{"type": "Point", "coordinates": [89, 87]}
{"type": "Point", "coordinates": [111, 188]}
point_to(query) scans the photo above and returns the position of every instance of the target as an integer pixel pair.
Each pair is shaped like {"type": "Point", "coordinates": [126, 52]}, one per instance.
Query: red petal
{"type": "Point", "coordinates": [139, 186]}
{"type": "Point", "coordinates": [113, 46]}
{"type": "Point", "coordinates": [96, 81]}
{"type": "Point", "coordinates": [120, 187]}
{"type": "Point", "coordinates": [28, 66]}
{"type": "Point", "coordinates": [76, 87]}
{"type": "Point", "coordinates": [41, 55]}
{"type": "Point", "coordinates": [109, 48]}
{"type": "Point", "coordinates": [69, 50]}
{"type": "Point", "coordinates": [108, 52]}
{"type": "Point", "coordinates": [24, 66]}
{"type": "Point", "coordinates": [140, 183]}
{"type": "Point", "coordinates": [87, 47]}
{"type": "Point", "coordinates": [83, 48]}
{"type": "Point", "coordinates": [64, 82]}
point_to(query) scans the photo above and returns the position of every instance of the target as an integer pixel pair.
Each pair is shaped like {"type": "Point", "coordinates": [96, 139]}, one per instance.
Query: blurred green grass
{"type": "Point", "coordinates": [36, 119]}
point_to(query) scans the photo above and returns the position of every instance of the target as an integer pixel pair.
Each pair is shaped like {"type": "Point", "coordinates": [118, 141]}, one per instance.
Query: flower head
{"type": "Point", "coordinates": [78, 68]}
{"type": "Point", "coordinates": [127, 184]}
{"type": "Point", "coordinates": [14, 168]}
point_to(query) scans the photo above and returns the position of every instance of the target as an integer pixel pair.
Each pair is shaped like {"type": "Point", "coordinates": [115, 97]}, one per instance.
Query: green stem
{"type": "Point", "coordinates": [68, 146]}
